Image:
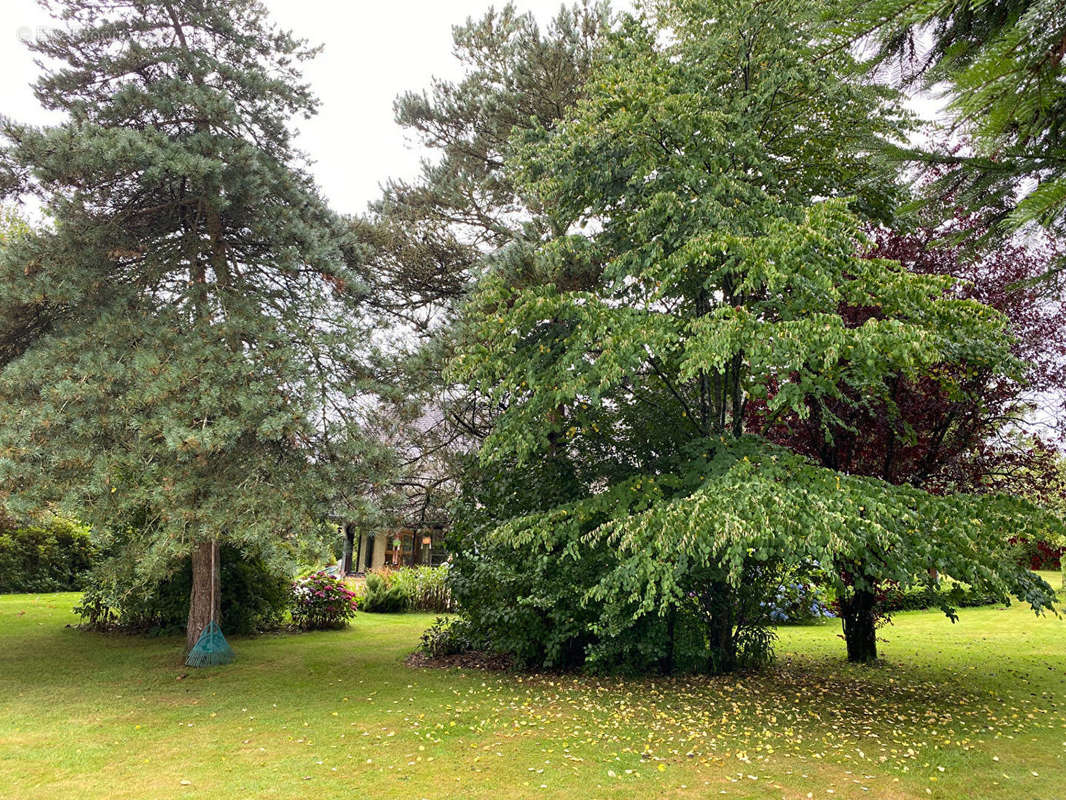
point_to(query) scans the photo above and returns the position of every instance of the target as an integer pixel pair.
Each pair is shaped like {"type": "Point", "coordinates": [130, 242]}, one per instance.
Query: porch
{"type": "Point", "coordinates": [401, 547]}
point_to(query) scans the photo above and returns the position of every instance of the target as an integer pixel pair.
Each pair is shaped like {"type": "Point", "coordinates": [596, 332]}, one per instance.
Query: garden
{"type": "Point", "coordinates": [691, 422]}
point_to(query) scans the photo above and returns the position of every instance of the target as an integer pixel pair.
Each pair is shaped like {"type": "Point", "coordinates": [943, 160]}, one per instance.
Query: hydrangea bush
{"type": "Point", "coordinates": [322, 601]}
{"type": "Point", "coordinates": [799, 601]}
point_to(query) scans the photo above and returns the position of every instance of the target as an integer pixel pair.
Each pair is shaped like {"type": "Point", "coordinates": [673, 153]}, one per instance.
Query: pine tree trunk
{"type": "Point", "coordinates": [860, 626]}
{"type": "Point", "coordinates": [202, 598]}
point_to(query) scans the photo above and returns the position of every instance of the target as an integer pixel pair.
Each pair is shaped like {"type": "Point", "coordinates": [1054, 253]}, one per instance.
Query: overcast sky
{"type": "Point", "coordinates": [374, 49]}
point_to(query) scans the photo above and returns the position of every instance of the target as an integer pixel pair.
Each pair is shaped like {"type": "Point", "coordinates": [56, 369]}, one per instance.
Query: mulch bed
{"type": "Point", "coordinates": [485, 661]}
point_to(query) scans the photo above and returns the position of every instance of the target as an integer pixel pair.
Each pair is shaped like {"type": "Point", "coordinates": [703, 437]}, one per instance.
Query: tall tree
{"type": "Point", "coordinates": [430, 238]}
{"type": "Point", "coordinates": [431, 233]}
{"type": "Point", "coordinates": [715, 173]}
{"type": "Point", "coordinates": [206, 338]}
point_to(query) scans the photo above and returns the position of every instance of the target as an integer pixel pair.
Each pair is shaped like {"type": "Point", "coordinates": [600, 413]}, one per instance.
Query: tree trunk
{"type": "Point", "coordinates": [860, 626]}
{"type": "Point", "coordinates": [667, 663]}
{"type": "Point", "coordinates": [722, 644]}
{"type": "Point", "coordinates": [205, 600]}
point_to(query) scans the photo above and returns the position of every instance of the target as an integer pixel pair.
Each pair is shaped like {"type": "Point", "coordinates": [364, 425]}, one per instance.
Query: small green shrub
{"type": "Point", "coordinates": [449, 637]}
{"type": "Point", "coordinates": [255, 597]}
{"type": "Point", "coordinates": [52, 556]}
{"type": "Point", "coordinates": [380, 596]}
{"type": "Point", "coordinates": [321, 601]}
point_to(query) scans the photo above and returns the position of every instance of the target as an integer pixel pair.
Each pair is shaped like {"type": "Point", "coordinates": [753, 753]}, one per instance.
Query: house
{"type": "Point", "coordinates": [396, 547]}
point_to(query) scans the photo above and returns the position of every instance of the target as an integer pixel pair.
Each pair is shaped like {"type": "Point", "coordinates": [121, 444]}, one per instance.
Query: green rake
{"type": "Point", "coordinates": [211, 649]}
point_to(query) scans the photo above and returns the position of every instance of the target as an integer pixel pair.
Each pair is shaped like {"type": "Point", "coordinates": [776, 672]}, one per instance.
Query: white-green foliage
{"type": "Point", "coordinates": [743, 500]}
{"type": "Point", "coordinates": [718, 170]}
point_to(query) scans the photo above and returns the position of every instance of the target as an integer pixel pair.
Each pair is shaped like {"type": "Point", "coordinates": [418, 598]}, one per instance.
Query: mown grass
{"type": "Point", "coordinates": [968, 710]}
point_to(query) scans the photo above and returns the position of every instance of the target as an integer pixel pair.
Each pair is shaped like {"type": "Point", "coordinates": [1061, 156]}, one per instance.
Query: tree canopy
{"type": "Point", "coordinates": [1002, 64]}
{"type": "Point", "coordinates": [717, 175]}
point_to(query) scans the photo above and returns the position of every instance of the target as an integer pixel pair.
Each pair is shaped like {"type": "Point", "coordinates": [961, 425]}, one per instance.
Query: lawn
{"type": "Point", "coordinates": [976, 709]}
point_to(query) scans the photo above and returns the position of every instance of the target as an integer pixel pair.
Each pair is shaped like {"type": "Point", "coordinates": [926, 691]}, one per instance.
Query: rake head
{"type": "Point", "coordinates": [211, 649]}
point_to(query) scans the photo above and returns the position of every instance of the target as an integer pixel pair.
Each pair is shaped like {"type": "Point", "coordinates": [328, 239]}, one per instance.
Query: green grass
{"type": "Point", "coordinates": [968, 710]}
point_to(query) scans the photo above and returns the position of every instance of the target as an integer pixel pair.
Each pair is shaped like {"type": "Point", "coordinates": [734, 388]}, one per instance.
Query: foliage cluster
{"type": "Point", "coordinates": [449, 636]}
{"type": "Point", "coordinates": [707, 257]}
{"type": "Point", "coordinates": [426, 588]}
{"type": "Point", "coordinates": [381, 596]}
{"type": "Point", "coordinates": [1002, 64]}
{"type": "Point", "coordinates": [534, 598]}
{"type": "Point", "coordinates": [321, 601]}
{"type": "Point", "coordinates": [254, 597]}
{"type": "Point", "coordinates": [407, 589]}
{"type": "Point", "coordinates": [49, 556]}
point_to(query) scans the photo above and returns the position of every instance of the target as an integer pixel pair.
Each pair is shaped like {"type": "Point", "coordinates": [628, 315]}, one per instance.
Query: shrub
{"type": "Point", "coordinates": [449, 637]}
{"type": "Point", "coordinates": [53, 556]}
{"type": "Point", "coordinates": [530, 604]}
{"type": "Point", "coordinates": [424, 588]}
{"type": "Point", "coordinates": [799, 602]}
{"type": "Point", "coordinates": [381, 595]}
{"type": "Point", "coordinates": [891, 598]}
{"type": "Point", "coordinates": [918, 598]}
{"type": "Point", "coordinates": [1036, 554]}
{"type": "Point", "coordinates": [255, 596]}
{"type": "Point", "coordinates": [322, 601]}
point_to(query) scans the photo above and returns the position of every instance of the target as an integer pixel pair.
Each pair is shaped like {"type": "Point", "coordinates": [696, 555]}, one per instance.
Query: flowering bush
{"type": "Point", "coordinates": [322, 601]}
{"type": "Point", "coordinates": [798, 601]}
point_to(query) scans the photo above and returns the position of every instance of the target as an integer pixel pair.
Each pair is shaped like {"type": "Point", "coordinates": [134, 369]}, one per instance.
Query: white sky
{"type": "Point", "coordinates": [374, 50]}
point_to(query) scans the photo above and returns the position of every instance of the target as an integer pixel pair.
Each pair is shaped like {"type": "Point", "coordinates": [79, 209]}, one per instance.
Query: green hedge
{"type": "Point", "coordinates": [53, 556]}
{"type": "Point", "coordinates": [920, 598]}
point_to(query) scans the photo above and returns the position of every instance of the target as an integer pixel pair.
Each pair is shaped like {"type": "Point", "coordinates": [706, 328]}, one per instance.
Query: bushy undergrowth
{"type": "Point", "coordinates": [531, 605]}
{"type": "Point", "coordinates": [920, 598]}
{"type": "Point", "coordinates": [559, 599]}
{"type": "Point", "coordinates": [321, 601]}
{"type": "Point", "coordinates": [50, 556]}
{"type": "Point", "coordinates": [426, 588]}
{"type": "Point", "coordinates": [379, 596]}
{"type": "Point", "coordinates": [450, 636]}
{"type": "Point", "coordinates": [254, 598]}
{"type": "Point", "coordinates": [408, 589]}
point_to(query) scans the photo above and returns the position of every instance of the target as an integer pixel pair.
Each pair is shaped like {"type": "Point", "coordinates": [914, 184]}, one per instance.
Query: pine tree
{"type": "Point", "coordinates": [429, 238]}
{"type": "Point", "coordinates": [204, 340]}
